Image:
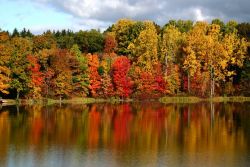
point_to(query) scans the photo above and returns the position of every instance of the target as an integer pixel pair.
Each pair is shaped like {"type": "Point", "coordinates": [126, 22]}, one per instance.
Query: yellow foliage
{"type": "Point", "coordinates": [144, 48]}
{"type": "Point", "coordinates": [5, 52]}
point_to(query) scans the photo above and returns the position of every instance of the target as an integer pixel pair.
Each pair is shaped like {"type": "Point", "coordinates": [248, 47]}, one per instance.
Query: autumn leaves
{"type": "Point", "coordinates": [138, 59]}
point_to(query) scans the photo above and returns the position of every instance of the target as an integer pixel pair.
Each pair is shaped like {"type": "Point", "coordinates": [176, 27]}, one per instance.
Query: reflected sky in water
{"type": "Point", "coordinates": [129, 134]}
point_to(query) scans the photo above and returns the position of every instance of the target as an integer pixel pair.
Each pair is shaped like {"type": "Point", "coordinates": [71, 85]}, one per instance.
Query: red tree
{"type": "Point", "coordinates": [110, 43]}
{"type": "Point", "coordinates": [122, 82]}
{"type": "Point", "coordinates": [95, 78]}
{"type": "Point", "coordinates": [36, 76]}
{"type": "Point", "coordinates": [160, 83]}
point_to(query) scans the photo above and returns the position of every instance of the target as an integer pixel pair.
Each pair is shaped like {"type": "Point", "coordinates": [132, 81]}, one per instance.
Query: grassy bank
{"type": "Point", "coordinates": [8, 102]}
{"type": "Point", "coordinates": [77, 100]}
{"type": "Point", "coordinates": [188, 99]}
{"type": "Point", "coordinates": [191, 99]}
{"type": "Point", "coordinates": [86, 100]}
{"type": "Point", "coordinates": [231, 99]}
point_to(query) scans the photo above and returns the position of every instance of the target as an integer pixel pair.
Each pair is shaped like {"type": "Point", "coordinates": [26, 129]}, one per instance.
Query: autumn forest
{"type": "Point", "coordinates": [130, 59]}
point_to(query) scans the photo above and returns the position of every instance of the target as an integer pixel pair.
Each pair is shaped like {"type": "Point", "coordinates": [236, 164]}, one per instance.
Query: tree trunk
{"type": "Point", "coordinates": [213, 87]}
{"type": "Point", "coordinates": [17, 95]}
{"type": "Point", "coordinates": [211, 83]}
{"type": "Point", "coordinates": [211, 91]}
{"type": "Point", "coordinates": [188, 83]}
{"type": "Point", "coordinates": [47, 90]}
{"type": "Point", "coordinates": [60, 100]}
{"type": "Point", "coordinates": [166, 65]}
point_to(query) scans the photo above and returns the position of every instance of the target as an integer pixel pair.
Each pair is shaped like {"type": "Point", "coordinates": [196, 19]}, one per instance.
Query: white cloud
{"type": "Point", "coordinates": [198, 15]}
{"type": "Point", "coordinates": [101, 13]}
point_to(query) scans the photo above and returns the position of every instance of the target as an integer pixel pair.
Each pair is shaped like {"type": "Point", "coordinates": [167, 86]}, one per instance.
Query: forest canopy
{"type": "Point", "coordinates": [131, 59]}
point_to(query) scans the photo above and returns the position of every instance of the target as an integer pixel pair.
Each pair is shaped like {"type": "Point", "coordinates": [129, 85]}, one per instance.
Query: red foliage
{"type": "Point", "coordinates": [122, 82]}
{"type": "Point", "coordinates": [147, 82]}
{"type": "Point", "coordinates": [198, 84]}
{"type": "Point", "coordinates": [110, 43]}
{"type": "Point", "coordinates": [107, 86]}
{"type": "Point", "coordinates": [48, 74]}
{"type": "Point", "coordinates": [185, 83]}
{"type": "Point", "coordinates": [37, 77]}
{"type": "Point", "coordinates": [160, 83]}
{"type": "Point", "coordinates": [95, 78]}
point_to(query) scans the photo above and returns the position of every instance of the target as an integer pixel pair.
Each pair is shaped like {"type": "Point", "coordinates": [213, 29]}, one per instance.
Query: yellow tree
{"type": "Point", "coordinates": [171, 44]}
{"type": "Point", "coordinates": [62, 80]}
{"type": "Point", "coordinates": [236, 50]}
{"type": "Point", "coordinates": [194, 49]}
{"type": "Point", "coordinates": [5, 51]}
{"type": "Point", "coordinates": [223, 51]}
{"type": "Point", "coordinates": [144, 48]}
{"type": "Point", "coordinates": [210, 52]}
{"type": "Point", "coordinates": [121, 30]}
{"type": "Point", "coordinates": [214, 56]}
{"type": "Point", "coordinates": [191, 64]}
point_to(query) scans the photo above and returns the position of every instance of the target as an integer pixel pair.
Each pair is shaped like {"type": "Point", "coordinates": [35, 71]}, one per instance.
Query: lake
{"type": "Point", "coordinates": [139, 134]}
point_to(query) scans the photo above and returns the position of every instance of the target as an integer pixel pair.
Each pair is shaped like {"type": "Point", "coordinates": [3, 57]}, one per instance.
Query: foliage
{"type": "Point", "coordinates": [62, 79]}
{"type": "Point", "coordinates": [5, 54]}
{"type": "Point", "coordinates": [95, 78]}
{"type": "Point", "coordinates": [80, 73]}
{"type": "Point", "coordinates": [36, 77]}
{"type": "Point", "coordinates": [144, 48]}
{"type": "Point", "coordinates": [18, 64]}
{"type": "Point", "coordinates": [181, 25]}
{"type": "Point", "coordinates": [122, 82]}
{"type": "Point", "coordinates": [130, 59]}
{"type": "Point", "coordinates": [110, 43]}
{"type": "Point", "coordinates": [121, 30]}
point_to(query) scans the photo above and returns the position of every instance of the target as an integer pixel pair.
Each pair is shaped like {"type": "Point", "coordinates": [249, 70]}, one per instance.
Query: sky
{"type": "Point", "coordinates": [41, 15]}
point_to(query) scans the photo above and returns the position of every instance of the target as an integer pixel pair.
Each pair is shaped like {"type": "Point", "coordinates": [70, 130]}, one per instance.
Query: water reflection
{"type": "Point", "coordinates": [129, 134]}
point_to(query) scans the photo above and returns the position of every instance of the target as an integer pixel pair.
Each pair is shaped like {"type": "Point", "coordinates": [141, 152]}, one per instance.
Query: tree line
{"type": "Point", "coordinates": [136, 59]}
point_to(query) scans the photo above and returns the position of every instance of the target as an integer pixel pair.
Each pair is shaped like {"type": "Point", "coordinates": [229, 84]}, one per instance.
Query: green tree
{"type": "Point", "coordinates": [122, 30]}
{"type": "Point", "coordinates": [15, 33]}
{"type": "Point", "coordinates": [181, 25]}
{"type": "Point", "coordinates": [243, 30]}
{"type": "Point", "coordinates": [18, 64]}
{"type": "Point", "coordinates": [231, 27]}
{"type": "Point", "coordinates": [95, 41]}
{"type": "Point", "coordinates": [82, 41]}
{"type": "Point", "coordinates": [217, 21]}
{"type": "Point", "coordinates": [80, 74]}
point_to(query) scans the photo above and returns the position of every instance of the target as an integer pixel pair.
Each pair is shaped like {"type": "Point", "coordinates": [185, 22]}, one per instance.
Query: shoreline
{"type": "Point", "coordinates": [165, 100]}
{"type": "Point", "coordinates": [194, 99]}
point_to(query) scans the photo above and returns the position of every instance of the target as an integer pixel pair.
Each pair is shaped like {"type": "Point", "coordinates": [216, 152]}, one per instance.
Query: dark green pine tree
{"type": "Point", "coordinates": [29, 34]}
{"type": "Point", "coordinates": [15, 33]}
{"type": "Point", "coordinates": [23, 33]}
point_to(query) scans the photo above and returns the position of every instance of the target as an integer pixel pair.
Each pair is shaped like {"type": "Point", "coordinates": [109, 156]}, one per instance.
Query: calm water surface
{"type": "Point", "coordinates": [124, 135]}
